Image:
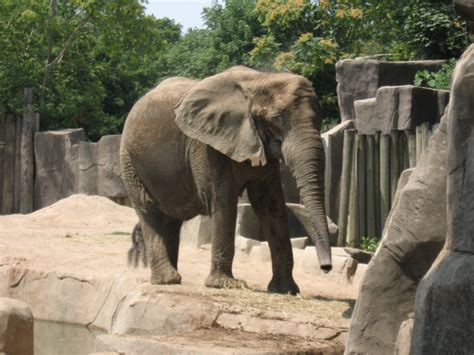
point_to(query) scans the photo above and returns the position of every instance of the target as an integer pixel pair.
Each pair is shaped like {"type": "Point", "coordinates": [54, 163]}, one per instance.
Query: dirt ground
{"type": "Point", "coordinates": [92, 234]}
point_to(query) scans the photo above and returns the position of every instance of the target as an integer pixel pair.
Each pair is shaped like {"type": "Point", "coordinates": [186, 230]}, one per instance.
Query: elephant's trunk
{"type": "Point", "coordinates": [303, 152]}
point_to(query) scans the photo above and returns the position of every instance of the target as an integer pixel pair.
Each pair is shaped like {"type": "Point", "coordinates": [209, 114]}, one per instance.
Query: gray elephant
{"type": "Point", "coordinates": [191, 147]}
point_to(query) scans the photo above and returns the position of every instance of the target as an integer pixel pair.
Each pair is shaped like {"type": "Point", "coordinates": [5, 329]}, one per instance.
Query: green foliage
{"type": "Point", "coordinates": [90, 60]}
{"type": "Point", "coordinates": [436, 80]}
{"type": "Point", "coordinates": [369, 244]}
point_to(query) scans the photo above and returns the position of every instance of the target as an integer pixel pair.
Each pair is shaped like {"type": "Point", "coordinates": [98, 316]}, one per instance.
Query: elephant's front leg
{"type": "Point", "coordinates": [269, 204]}
{"type": "Point", "coordinates": [223, 219]}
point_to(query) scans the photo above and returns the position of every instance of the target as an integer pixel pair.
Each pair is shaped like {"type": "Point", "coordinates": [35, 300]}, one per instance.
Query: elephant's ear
{"type": "Point", "coordinates": [216, 111]}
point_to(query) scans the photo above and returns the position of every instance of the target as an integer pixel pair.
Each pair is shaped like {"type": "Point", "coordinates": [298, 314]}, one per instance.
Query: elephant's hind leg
{"type": "Point", "coordinates": [161, 235]}
{"type": "Point", "coordinates": [160, 232]}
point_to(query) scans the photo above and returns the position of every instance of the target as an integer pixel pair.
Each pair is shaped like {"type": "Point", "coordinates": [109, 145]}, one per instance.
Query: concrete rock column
{"type": "Point", "coordinates": [444, 309]}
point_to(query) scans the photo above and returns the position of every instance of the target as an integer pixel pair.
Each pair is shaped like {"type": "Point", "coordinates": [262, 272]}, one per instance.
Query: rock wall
{"type": "Point", "coordinates": [66, 164]}
{"type": "Point", "coordinates": [412, 239]}
{"type": "Point", "coordinates": [399, 108]}
{"type": "Point", "coordinates": [359, 79]}
{"type": "Point", "coordinates": [443, 321]}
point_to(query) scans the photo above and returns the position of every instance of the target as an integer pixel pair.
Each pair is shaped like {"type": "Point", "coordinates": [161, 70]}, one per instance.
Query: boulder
{"type": "Point", "coordinates": [248, 225]}
{"type": "Point", "coordinates": [16, 327]}
{"type": "Point", "coordinates": [57, 164]}
{"type": "Point", "coordinates": [445, 299]}
{"type": "Point", "coordinates": [333, 144]}
{"type": "Point", "coordinates": [195, 232]}
{"type": "Point", "coordinates": [359, 79]}
{"type": "Point", "coordinates": [412, 239]}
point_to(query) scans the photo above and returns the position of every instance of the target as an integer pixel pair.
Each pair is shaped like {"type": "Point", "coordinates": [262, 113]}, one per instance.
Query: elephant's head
{"type": "Point", "coordinates": [254, 116]}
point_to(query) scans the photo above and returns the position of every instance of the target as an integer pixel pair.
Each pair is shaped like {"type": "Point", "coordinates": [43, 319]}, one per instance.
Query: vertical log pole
{"type": "Point", "coordinates": [394, 163]}
{"type": "Point", "coordinates": [2, 153]}
{"type": "Point", "coordinates": [353, 229]}
{"type": "Point", "coordinates": [347, 155]}
{"type": "Point", "coordinates": [425, 134]}
{"type": "Point", "coordinates": [371, 223]}
{"type": "Point", "coordinates": [27, 154]}
{"type": "Point", "coordinates": [361, 187]}
{"type": "Point", "coordinates": [9, 166]}
{"type": "Point", "coordinates": [378, 229]}
{"type": "Point", "coordinates": [419, 145]}
{"type": "Point", "coordinates": [411, 138]}
{"type": "Point", "coordinates": [384, 178]}
{"type": "Point", "coordinates": [16, 187]}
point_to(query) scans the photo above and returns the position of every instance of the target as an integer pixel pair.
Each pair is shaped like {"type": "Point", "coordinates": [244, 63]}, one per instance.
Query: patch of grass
{"type": "Point", "coordinates": [120, 233]}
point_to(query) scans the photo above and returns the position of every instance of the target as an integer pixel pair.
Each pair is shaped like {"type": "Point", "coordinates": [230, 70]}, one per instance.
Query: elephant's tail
{"type": "Point", "coordinates": [138, 249]}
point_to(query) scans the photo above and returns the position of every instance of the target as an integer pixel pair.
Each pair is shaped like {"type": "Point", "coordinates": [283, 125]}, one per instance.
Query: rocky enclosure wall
{"type": "Point", "coordinates": [66, 164]}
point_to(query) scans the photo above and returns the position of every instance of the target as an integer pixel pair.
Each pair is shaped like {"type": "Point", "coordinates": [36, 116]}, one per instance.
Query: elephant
{"type": "Point", "coordinates": [192, 147]}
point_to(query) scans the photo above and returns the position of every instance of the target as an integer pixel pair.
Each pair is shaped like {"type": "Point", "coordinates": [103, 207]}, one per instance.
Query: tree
{"type": "Point", "coordinates": [89, 60]}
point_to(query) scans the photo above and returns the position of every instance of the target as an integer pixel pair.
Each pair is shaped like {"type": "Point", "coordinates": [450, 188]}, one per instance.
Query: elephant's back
{"type": "Point", "coordinates": [157, 148]}
{"type": "Point", "coordinates": [153, 114]}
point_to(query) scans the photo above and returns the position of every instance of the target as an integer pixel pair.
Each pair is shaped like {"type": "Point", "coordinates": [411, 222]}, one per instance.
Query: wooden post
{"type": "Point", "coordinates": [425, 134]}
{"type": "Point", "coordinates": [27, 154]}
{"type": "Point", "coordinates": [16, 187]}
{"type": "Point", "coordinates": [411, 138]}
{"type": "Point", "coordinates": [377, 185]}
{"type": "Point", "coordinates": [353, 204]}
{"type": "Point", "coordinates": [361, 187]}
{"type": "Point", "coordinates": [384, 178]}
{"type": "Point", "coordinates": [419, 145]}
{"type": "Point", "coordinates": [347, 155]}
{"type": "Point", "coordinates": [9, 166]}
{"type": "Point", "coordinates": [394, 164]}
{"type": "Point", "coordinates": [2, 153]}
{"type": "Point", "coordinates": [370, 196]}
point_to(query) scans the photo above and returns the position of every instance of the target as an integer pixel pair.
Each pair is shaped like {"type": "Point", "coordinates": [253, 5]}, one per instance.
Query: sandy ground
{"type": "Point", "coordinates": [92, 234]}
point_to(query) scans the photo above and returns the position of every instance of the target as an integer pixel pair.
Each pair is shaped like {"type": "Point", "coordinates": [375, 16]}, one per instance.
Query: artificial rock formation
{"type": "Point", "coordinates": [445, 298]}
{"type": "Point", "coordinates": [359, 79]}
{"type": "Point", "coordinates": [16, 327]}
{"type": "Point", "coordinates": [399, 108]}
{"type": "Point", "coordinates": [66, 164]}
{"type": "Point", "coordinates": [413, 237]}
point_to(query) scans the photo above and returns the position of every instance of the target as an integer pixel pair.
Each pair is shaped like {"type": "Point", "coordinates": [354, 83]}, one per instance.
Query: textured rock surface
{"type": "Point", "coordinates": [400, 108]}
{"type": "Point", "coordinates": [195, 232]}
{"type": "Point", "coordinates": [66, 165]}
{"type": "Point", "coordinates": [413, 237]}
{"type": "Point", "coordinates": [57, 164]}
{"type": "Point", "coordinates": [402, 346]}
{"type": "Point", "coordinates": [16, 327]}
{"type": "Point", "coordinates": [99, 168]}
{"type": "Point", "coordinates": [248, 225]}
{"type": "Point", "coordinates": [333, 144]}
{"type": "Point", "coordinates": [445, 298]}
{"type": "Point", "coordinates": [359, 79]}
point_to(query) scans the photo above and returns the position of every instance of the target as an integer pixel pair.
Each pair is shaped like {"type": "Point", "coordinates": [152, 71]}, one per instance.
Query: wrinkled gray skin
{"type": "Point", "coordinates": [191, 147]}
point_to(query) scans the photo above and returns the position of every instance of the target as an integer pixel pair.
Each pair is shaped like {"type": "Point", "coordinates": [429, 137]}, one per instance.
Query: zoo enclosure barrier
{"type": "Point", "coordinates": [371, 167]}
{"type": "Point", "coordinates": [17, 158]}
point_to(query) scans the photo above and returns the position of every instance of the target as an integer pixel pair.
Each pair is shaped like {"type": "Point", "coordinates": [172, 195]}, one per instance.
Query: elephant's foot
{"type": "Point", "coordinates": [168, 276]}
{"type": "Point", "coordinates": [224, 281]}
{"type": "Point", "coordinates": [284, 285]}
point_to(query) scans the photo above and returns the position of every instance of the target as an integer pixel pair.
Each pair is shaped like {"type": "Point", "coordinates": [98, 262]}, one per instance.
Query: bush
{"type": "Point", "coordinates": [369, 244]}
{"type": "Point", "coordinates": [436, 80]}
